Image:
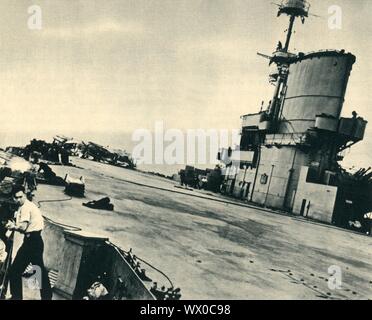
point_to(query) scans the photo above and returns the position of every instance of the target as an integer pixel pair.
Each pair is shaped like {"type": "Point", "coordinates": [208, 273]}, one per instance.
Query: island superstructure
{"type": "Point", "coordinates": [289, 154]}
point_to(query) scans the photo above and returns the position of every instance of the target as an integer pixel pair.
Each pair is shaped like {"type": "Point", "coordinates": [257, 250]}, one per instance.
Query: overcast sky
{"type": "Point", "coordinates": [119, 65]}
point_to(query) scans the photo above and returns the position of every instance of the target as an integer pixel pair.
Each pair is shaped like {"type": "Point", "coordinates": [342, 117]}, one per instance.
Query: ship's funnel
{"type": "Point", "coordinates": [297, 8]}
{"type": "Point", "coordinates": [316, 85]}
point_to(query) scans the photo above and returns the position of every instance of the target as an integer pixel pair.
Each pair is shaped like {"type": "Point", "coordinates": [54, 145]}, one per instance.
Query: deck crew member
{"type": "Point", "coordinates": [3, 252]}
{"type": "Point", "coordinates": [28, 221]}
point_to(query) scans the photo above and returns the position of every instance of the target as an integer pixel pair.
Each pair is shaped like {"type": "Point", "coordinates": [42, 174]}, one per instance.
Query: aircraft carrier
{"type": "Point", "coordinates": [277, 229]}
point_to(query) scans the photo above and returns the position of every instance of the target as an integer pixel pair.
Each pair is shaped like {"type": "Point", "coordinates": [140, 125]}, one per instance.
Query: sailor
{"type": "Point", "coordinates": [28, 221]}
{"type": "Point", "coordinates": [279, 46]}
{"type": "Point", "coordinates": [182, 177]}
{"type": "Point", "coordinates": [3, 253]}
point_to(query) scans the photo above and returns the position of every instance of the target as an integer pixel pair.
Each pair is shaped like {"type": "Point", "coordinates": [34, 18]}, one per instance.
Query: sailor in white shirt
{"type": "Point", "coordinates": [30, 222]}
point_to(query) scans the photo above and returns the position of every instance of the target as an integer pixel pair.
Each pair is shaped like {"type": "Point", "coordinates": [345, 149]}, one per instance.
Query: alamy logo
{"type": "Point", "coordinates": [335, 280]}
{"type": "Point", "coordinates": [174, 146]}
{"type": "Point", "coordinates": [35, 20]}
{"type": "Point", "coordinates": [335, 17]}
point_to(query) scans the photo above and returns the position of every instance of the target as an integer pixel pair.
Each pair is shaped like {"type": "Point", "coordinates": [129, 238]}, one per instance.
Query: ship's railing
{"type": "Point", "coordinates": [284, 139]}
{"type": "Point", "coordinates": [323, 52]}
{"type": "Point", "coordinates": [297, 4]}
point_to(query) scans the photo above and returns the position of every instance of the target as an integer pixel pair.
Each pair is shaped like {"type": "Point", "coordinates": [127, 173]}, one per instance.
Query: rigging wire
{"type": "Point", "coordinates": [144, 261]}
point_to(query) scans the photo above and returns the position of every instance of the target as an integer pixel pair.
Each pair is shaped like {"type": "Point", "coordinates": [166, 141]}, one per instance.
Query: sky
{"type": "Point", "coordinates": [114, 66]}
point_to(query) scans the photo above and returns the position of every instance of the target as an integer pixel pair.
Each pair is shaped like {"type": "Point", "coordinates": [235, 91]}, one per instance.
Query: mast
{"type": "Point", "coordinates": [282, 56]}
{"type": "Point", "coordinates": [289, 34]}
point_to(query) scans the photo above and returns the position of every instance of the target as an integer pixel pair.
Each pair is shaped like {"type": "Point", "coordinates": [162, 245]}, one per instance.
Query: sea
{"type": "Point", "coordinates": [118, 140]}
{"type": "Point", "coordinates": [359, 156]}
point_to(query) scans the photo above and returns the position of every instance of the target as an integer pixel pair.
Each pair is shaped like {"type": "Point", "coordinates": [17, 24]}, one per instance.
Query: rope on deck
{"type": "Point", "coordinates": [53, 200]}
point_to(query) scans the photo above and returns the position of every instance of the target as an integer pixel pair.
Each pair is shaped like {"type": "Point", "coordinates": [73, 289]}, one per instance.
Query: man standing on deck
{"type": "Point", "coordinates": [30, 222]}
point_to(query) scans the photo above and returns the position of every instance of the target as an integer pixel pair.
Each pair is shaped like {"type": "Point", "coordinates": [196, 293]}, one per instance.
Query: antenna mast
{"type": "Point", "coordinates": [294, 9]}
{"type": "Point", "coordinates": [282, 57]}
